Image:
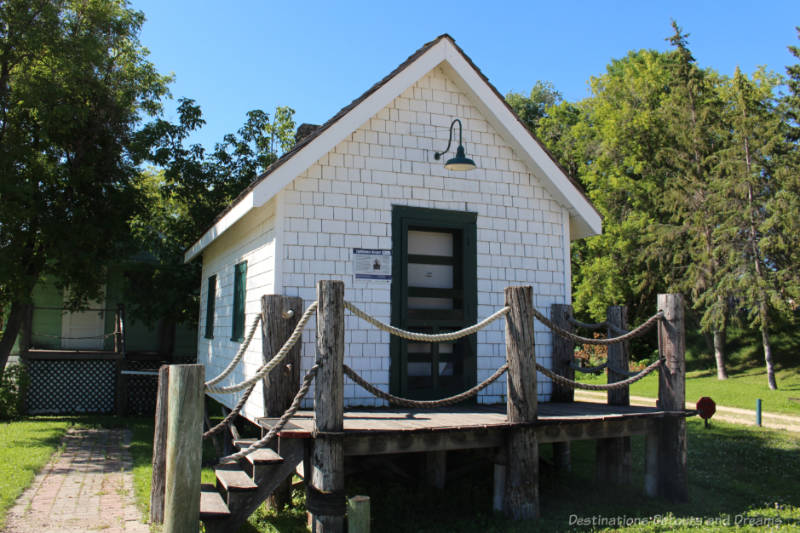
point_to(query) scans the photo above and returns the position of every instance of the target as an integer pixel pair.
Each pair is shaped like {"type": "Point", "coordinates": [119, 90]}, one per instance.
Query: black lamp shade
{"type": "Point", "coordinates": [460, 161]}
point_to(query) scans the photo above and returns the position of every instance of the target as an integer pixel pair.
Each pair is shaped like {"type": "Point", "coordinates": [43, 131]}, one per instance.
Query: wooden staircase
{"type": "Point", "coordinates": [242, 487]}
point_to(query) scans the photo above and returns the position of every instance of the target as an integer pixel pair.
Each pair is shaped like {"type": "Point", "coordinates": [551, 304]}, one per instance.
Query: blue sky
{"type": "Point", "coordinates": [316, 57]}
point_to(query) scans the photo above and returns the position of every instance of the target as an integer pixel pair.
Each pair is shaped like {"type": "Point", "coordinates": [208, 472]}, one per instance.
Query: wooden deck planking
{"type": "Point", "coordinates": [463, 418]}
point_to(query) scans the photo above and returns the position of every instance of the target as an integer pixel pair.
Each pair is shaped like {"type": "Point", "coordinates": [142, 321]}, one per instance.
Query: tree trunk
{"type": "Point", "coordinates": [13, 325]}
{"type": "Point", "coordinates": [773, 385]}
{"type": "Point", "coordinates": [719, 352]}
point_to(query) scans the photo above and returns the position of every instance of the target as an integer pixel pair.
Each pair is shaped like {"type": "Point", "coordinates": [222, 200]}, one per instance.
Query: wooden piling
{"type": "Point", "coordinates": [279, 316]}
{"type": "Point", "coordinates": [666, 454]}
{"type": "Point", "coordinates": [563, 354]}
{"type": "Point", "coordinates": [325, 494]}
{"type": "Point", "coordinates": [159, 448]}
{"type": "Point", "coordinates": [521, 498]}
{"type": "Point", "coordinates": [613, 455]}
{"type": "Point", "coordinates": [184, 449]}
{"type": "Point", "coordinates": [358, 514]}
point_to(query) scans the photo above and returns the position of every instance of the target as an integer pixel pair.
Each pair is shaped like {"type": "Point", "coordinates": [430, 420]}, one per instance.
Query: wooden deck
{"type": "Point", "coordinates": [376, 431]}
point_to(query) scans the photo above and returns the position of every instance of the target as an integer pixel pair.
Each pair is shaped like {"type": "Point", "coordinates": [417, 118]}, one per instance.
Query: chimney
{"type": "Point", "coordinates": [303, 131]}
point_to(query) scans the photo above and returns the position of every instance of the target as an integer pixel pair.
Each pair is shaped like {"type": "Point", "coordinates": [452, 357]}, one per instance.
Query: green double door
{"type": "Point", "coordinates": [434, 290]}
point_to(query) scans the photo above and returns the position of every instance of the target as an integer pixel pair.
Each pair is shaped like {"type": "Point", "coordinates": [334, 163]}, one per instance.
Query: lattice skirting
{"type": "Point", "coordinates": [70, 386]}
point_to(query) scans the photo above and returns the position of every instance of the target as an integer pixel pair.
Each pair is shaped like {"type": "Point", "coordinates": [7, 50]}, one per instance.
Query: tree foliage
{"type": "Point", "coordinates": [74, 82]}
{"type": "Point", "coordinates": [182, 198]}
{"type": "Point", "coordinates": [696, 177]}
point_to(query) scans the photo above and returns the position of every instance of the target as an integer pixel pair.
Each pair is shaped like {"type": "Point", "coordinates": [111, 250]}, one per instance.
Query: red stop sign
{"type": "Point", "coordinates": [706, 407]}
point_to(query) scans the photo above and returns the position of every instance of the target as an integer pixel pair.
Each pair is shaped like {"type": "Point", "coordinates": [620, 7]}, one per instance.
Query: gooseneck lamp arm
{"type": "Point", "coordinates": [460, 161]}
{"type": "Point", "coordinates": [438, 155]}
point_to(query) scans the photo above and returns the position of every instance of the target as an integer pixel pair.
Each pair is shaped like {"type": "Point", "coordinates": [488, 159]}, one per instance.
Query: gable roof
{"type": "Point", "coordinates": [442, 51]}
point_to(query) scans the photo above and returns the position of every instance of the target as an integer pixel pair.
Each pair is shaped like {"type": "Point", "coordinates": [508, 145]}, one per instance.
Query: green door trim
{"type": "Point", "coordinates": [403, 218]}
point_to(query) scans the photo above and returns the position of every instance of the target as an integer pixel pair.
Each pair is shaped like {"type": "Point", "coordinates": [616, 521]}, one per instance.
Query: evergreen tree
{"type": "Point", "coordinates": [748, 173]}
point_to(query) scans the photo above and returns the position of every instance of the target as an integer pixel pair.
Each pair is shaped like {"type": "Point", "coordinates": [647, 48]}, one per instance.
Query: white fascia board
{"type": "Point", "coordinates": [350, 122]}
{"type": "Point", "coordinates": [585, 220]}
{"type": "Point", "coordinates": [242, 207]}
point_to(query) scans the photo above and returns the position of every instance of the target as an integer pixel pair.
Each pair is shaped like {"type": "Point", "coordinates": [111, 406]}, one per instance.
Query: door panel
{"type": "Point", "coordinates": [434, 290]}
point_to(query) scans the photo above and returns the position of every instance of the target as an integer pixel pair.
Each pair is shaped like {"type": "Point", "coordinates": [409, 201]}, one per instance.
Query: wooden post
{"type": "Point", "coordinates": [325, 495]}
{"type": "Point", "coordinates": [184, 449]}
{"type": "Point", "coordinates": [436, 468]}
{"type": "Point", "coordinates": [613, 455]}
{"type": "Point", "coordinates": [26, 339]}
{"type": "Point", "coordinates": [122, 343]}
{"type": "Point", "coordinates": [279, 316]}
{"type": "Point", "coordinates": [521, 498]}
{"type": "Point", "coordinates": [563, 354]}
{"type": "Point", "coordinates": [358, 514]}
{"type": "Point", "coordinates": [159, 448]}
{"type": "Point", "coordinates": [672, 452]}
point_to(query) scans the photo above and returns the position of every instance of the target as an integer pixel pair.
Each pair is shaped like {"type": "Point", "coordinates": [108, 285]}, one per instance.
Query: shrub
{"type": "Point", "coordinates": [13, 387]}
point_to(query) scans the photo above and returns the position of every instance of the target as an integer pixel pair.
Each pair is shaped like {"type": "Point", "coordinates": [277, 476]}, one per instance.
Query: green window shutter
{"type": "Point", "coordinates": [211, 299]}
{"type": "Point", "coordinates": [239, 290]}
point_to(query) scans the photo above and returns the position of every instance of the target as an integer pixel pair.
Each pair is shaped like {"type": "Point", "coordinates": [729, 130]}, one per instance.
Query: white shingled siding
{"type": "Point", "coordinates": [344, 201]}
{"type": "Point", "coordinates": [252, 239]}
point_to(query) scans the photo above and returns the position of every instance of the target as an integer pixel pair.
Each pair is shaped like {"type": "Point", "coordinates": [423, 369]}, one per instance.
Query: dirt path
{"type": "Point", "coordinates": [88, 486]}
{"type": "Point", "coordinates": [735, 415]}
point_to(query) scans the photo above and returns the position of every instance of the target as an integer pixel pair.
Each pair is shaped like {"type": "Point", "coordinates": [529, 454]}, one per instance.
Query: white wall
{"type": "Point", "coordinates": [252, 239]}
{"type": "Point", "coordinates": [344, 202]}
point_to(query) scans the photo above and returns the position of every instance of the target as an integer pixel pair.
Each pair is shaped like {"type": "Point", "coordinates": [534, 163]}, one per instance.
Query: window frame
{"type": "Point", "coordinates": [211, 304]}
{"type": "Point", "coordinates": [239, 300]}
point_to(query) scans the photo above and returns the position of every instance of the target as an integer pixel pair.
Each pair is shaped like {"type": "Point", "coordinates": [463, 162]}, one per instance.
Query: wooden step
{"type": "Point", "coordinates": [261, 463]}
{"type": "Point", "coordinates": [212, 506]}
{"type": "Point", "coordinates": [234, 484]}
{"type": "Point", "coordinates": [243, 443]}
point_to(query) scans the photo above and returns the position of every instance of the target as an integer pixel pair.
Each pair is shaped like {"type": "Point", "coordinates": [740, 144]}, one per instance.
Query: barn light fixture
{"type": "Point", "coordinates": [460, 161]}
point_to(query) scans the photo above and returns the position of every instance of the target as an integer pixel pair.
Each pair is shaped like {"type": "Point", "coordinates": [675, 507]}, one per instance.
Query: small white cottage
{"type": "Point", "coordinates": [363, 199]}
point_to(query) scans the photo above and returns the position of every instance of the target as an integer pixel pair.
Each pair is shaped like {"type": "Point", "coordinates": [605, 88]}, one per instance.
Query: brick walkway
{"type": "Point", "coordinates": [86, 487]}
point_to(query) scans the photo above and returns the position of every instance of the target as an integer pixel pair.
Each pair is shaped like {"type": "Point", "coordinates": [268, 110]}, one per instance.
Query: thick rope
{"type": "Point", "coordinates": [426, 337]}
{"type": "Point", "coordinates": [578, 323]}
{"type": "Point", "coordinates": [275, 361]}
{"type": "Point", "coordinates": [290, 412]}
{"type": "Point", "coordinates": [406, 402]}
{"type": "Point", "coordinates": [584, 340]}
{"type": "Point", "coordinates": [227, 420]}
{"type": "Point", "coordinates": [588, 369]}
{"type": "Point", "coordinates": [564, 382]}
{"type": "Point", "coordinates": [239, 354]}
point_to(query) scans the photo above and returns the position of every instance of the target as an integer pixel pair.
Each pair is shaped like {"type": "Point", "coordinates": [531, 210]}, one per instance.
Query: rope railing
{"type": "Point", "coordinates": [565, 382]}
{"type": "Point", "coordinates": [233, 414]}
{"type": "Point", "coordinates": [604, 342]}
{"type": "Point", "coordinates": [426, 337]}
{"type": "Point", "coordinates": [426, 404]}
{"type": "Point", "coordinates": [578, 323]}
{"type": "Point", "coordinates": [290, 412]}
{"type": "Point", "coordinates": [272, 363]}
{"type": "Point", "coordinates": [239, 354]}
{"type": "Point", "coordinates": [588, 369]}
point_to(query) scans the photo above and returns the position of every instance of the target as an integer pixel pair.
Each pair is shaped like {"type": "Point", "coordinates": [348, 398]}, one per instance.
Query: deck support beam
{"type": "Point", "coordinates": [613, 455]}
{"type": "Point", "coordinates": [325, 495]}
{"type": "Point", "coordinates": [279, 316]}
{"type": "Point", "coordinates": [666, 472]}
{"type": "Point", "coordinates": [521, 498]}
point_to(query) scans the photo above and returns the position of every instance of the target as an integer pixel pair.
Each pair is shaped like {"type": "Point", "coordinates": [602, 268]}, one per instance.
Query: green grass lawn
{"type": "Point", "coordinates": [734, 471]}
{"type": "Point", "coordinates": [25, 447]}
{"type": "Point", "coordinates": [740, 390]}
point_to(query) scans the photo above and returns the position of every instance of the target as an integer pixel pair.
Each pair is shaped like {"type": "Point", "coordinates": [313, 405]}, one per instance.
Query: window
{"type": "Point", "coordinates": [211, 298]}
{"type": "Point", "coordinates": [239, 291]}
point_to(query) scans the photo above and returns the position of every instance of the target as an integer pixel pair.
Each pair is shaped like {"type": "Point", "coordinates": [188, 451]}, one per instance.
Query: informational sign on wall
{"type": "Point", "coordinates": [372, 264]}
